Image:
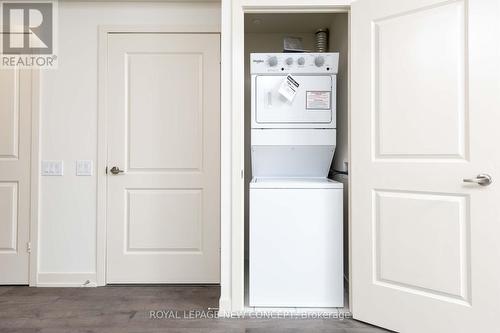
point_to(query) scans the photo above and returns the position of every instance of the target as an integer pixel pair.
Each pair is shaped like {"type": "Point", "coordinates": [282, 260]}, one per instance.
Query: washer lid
{"type": "Point", "coordinates": [292, 183]}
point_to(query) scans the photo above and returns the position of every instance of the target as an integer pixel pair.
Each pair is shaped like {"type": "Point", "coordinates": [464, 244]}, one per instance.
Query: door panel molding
{"type": "Point", "coordinates": [392, 40]}
{"type": "Point", "coordinates": [452, 265]}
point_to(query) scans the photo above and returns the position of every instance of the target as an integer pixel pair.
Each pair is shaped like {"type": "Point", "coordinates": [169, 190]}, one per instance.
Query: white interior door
{"type": "Point", "coordinates": [15, 152]}
{"type": "Point", "coordinates": [163, 132]}
{"type": "Point", "coordinates": [425, 115]}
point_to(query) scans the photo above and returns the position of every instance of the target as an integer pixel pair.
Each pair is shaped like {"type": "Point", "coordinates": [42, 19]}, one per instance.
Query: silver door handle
{"type": "Point", "coordinates": [116, 170]}
{"type": "Point", "coordinates": [482, 179]}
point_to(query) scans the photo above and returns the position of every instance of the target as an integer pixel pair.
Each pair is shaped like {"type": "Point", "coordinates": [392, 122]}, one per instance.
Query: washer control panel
{"type": "Point", "coordinates": [269, 63]}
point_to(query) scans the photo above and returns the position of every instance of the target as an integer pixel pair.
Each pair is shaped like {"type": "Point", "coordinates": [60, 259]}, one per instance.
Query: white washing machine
{"type": "Point", "coordinates": [296, 233]}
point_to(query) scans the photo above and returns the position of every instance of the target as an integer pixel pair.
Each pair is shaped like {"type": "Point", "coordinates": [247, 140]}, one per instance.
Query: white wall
{"type": "Point", "coordinates": [67, 239]}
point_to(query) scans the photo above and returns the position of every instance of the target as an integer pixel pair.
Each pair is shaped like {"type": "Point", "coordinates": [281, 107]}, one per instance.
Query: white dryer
{"type": "Point", "coordinates": [297, 137]}
{"type": "Point", "coordinates": [314, 76]}
{"type": "Point", "coordinates": [296, 257]}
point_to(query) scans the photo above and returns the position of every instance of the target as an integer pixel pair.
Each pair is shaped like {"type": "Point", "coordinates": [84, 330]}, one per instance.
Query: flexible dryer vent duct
{"type": "Point", "coordinates": [322, 40]}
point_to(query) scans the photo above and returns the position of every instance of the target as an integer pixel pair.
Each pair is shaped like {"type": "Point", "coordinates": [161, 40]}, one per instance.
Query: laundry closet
{"type": "Point", "coordinates": [296, 163]}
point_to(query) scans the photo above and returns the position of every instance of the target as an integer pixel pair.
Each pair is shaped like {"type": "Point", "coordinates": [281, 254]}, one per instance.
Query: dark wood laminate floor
{"type": "Point", "coordinates": [127, 309]}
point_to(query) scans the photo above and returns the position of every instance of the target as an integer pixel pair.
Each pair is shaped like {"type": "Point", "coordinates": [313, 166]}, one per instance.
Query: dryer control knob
{"type": "Point", "coordinates": [301, 61]}
{"type": "Point", "coordinates": [289, 61]}
{"type": "Point", "coordinates": [319, 61]}
{"type": "Point", "coordinates": [273, 61]}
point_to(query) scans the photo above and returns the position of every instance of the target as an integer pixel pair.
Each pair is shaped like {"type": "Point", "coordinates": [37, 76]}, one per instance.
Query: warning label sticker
{"type": "Point", "coordinates": [318, 100]}
{"type": "Point", "coordinates": [288, 88]}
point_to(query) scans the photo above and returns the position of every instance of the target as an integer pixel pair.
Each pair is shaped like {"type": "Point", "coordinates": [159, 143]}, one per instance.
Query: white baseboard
{"type": "Point", "coordinates": [66, 279]}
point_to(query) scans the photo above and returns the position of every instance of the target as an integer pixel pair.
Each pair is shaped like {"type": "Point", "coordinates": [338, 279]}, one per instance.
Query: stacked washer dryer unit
{"type": "Point", "coordinates": [296, 257]}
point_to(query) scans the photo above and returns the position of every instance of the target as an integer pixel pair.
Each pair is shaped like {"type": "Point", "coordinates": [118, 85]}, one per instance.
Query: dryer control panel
{"type": "Point", "coordinates": [297, 63]}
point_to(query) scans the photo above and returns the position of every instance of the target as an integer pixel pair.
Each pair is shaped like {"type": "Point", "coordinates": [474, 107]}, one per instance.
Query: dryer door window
{"type": "Point", "coordinates": [314, 101]}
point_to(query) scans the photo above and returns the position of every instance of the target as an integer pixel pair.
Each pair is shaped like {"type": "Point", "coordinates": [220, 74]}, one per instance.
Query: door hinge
{"type": "Point", "coordinates": [241, 175]}
{"type": "Point", "coordinates": [28, 247]}
{"type": "Point", "coordinates": [106, 170]}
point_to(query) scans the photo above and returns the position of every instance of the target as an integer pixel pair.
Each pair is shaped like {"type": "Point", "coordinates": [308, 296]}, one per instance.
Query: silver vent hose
{"type": "Point", "coordinates": [322, 40]}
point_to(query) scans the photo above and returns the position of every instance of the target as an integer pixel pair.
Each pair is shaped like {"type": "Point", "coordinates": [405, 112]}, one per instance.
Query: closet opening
{"type": "Point", "coordinates": [296, 161]}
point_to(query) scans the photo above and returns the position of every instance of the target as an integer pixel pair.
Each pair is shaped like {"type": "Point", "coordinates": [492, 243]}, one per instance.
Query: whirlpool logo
{"type": "Point", "coordinates": [28, 34]}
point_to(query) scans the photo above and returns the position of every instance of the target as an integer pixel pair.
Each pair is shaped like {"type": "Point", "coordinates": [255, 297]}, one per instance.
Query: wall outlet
{"type": "Point", "coordinates": [84, 168]}
{"type": "Point", "coordinates": [52, 168]}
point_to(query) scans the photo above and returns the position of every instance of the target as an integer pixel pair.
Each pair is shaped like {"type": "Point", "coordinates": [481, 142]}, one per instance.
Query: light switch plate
{"type": "Point", "coordinates": [52, 168]}
{"type": "Point", "coordinates": [84, 168]}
